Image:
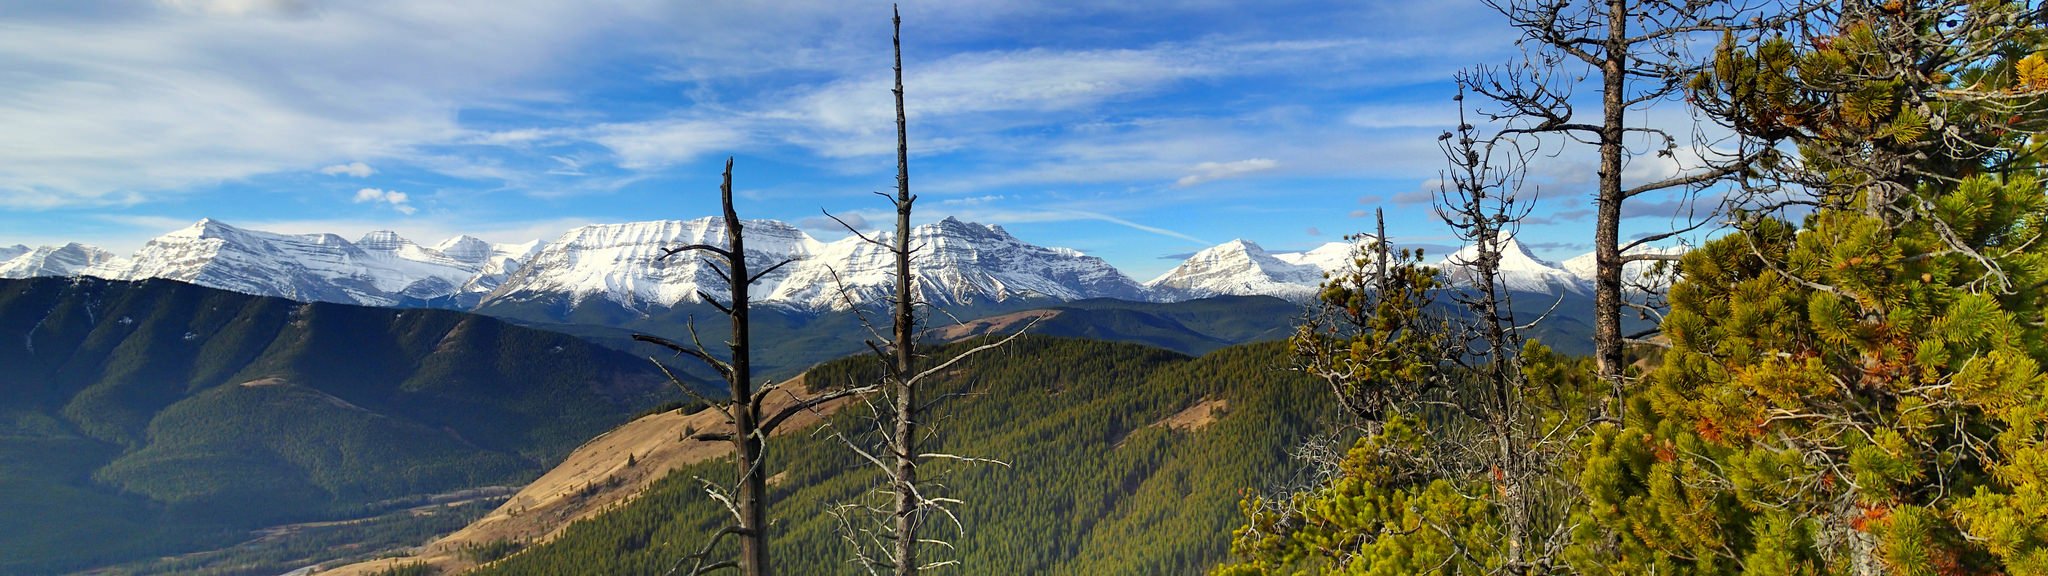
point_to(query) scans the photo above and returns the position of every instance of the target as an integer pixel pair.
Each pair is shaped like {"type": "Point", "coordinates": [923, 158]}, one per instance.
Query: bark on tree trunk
{"type": "Point", "coordinates": [1607, 337]}
{"type": "Point", "coordinates": [906, 392]}
{"type": "Point", "coordinates": [746, 440]}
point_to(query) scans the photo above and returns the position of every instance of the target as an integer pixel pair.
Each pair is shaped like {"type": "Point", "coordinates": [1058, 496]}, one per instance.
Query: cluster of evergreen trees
{"type": "Point", "coordinates": [1848, 382]}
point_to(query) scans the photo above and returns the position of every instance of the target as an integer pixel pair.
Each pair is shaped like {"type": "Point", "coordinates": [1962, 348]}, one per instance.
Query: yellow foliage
{"type": "Point", "coordinates": [2033, 72]}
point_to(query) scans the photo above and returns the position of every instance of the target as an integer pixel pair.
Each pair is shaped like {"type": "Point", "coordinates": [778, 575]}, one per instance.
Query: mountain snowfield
{"type": "Point", "coordinates": [1520, 270]}
{"type": "Point", "coordinates": [957, 263]}
{"type": "Point", "coordinates": [1634, 275]}
{"type": "Point", "coordinates": [68, 260]}
{"type": "Point", "coordinates": [1239, 268]}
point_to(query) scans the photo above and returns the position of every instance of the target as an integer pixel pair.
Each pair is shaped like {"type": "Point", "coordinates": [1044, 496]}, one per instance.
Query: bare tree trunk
{"type": "Point", "coordinates": [1479, 203]}
{"type": "Point", "coordinates": [747, 497]}
{"type": "Point", "coordinates": [1633, 71]}
{"type": "Point", "coordinates": [746, 425]}
{"type": "Point", "coordinates": [1607, 339]}
{"type": "Point", "coordinates": [906, 325]}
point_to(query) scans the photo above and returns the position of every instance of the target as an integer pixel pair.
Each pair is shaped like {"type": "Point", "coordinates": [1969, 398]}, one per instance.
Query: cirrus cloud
{"type": "Point", "coordinates": [1213, 171]}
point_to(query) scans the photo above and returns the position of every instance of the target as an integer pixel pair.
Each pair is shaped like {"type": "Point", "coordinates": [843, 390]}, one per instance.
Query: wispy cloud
{"type": "Point", "coordinates": [356, 169]}
{"type": "Point", "coordinates": [1212, 171]}
{"type": "Point", "coordinates": [658, 144]}
{"type": "Point", "coordinates": [1070, 215]}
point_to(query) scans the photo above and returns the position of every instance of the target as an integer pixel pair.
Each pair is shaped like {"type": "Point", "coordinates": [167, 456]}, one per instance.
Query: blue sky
{"type": "Point", "coordinates": [1136, 131]}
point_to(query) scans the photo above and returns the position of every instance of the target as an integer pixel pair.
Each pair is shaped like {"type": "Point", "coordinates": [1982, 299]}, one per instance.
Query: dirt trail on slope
{"type": "Point", "coordinates": [1195, 417]}
{"type": "Point", "coordinates": [607, 471]}
{"type": "Point", "coordinates": [1001, 324]}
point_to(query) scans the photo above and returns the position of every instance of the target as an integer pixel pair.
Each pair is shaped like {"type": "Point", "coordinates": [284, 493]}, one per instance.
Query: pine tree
{"type": "Point", "coordinates": [1860, 393]}
{"type": "Point", "coordinates": [1462, 425]}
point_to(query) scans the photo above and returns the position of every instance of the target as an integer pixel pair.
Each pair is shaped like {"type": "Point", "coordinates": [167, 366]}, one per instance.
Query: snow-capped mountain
{"type": "Point", "coordinates": [1634, 275]}
{"type": "Point", "coordinates": [67, 260]}
{"type": "Point", "coordinates": [1242, 268]}
{"type": "Point", "coordinates": [1330, 256]}
{"type": "Point", "coordinates": [494, 263]}
{"type": "Point", "coordinates": [1520, 270]}
{"type": "Point", "coordinates": [622, 263]}
{"type": "Point", "coordinates": [957, 263]}
{"type": "Point", "coordinates": [380, 269]}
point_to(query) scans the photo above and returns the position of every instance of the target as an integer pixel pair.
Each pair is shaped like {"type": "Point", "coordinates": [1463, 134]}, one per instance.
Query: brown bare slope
{"type": "Point", "coordinates": [607, 471]}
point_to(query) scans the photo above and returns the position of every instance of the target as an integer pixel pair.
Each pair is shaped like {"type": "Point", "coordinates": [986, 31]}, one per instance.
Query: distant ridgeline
{"type": "Point", "coordinates": [153, 417]}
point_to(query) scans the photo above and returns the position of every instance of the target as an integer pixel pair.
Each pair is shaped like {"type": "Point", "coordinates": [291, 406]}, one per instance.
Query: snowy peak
{"type": "Point", "coordinates": [1634, 275]}
{"type": "Point", "coordinates": [957, 263]}
{"type": "Point", "coordinates": [1241, 267]}
{"type": "Point", "coordinates": [465, 248]}
{"type": "Point", "coordinates": [1238, 267]}
{"type": "Point", "coordinates": [623, 262]}
{"type": "Point", "coordinates": [384, 241]}
{"type": "Point", "coordinates": [382, 269]}
{"type": "Point", "coordinates": [1520, 269]}
{"type": "Point", "coordinates": [67, 260]}
{"type": "Point", "coordinates": [1331, 256]}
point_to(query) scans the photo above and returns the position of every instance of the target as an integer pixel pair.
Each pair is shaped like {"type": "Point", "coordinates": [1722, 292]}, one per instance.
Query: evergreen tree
{"type": "Point", "coordinates": [1456, 467]}
{"type": "Point", "coordinates": [1860, 393]}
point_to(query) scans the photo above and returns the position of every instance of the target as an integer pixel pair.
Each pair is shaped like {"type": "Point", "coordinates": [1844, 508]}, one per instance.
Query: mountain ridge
{"type": "Point", "coordinates": [963, 264]}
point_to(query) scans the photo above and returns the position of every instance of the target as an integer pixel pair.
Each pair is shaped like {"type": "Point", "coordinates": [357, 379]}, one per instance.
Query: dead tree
{"type": "Point", "coordinates": [902, 423]}
{"type": "Point", "coordinates": [1482, 201]}
{"type": "Point", "coordinates": [748, 427]}
{"type": "Point", "coordinates": [1637, 52]}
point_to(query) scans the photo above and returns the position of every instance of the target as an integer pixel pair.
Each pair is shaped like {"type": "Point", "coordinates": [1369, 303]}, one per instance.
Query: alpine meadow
{"type": "Point", "coordinates": [1512, 288]}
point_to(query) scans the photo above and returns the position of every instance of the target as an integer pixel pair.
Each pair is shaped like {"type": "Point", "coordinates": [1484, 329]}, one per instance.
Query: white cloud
{"type": "Point", "coordinates": [356, 169]}
{"type": "Point", "coordinates": [1213, 171]}
{"type": "Point", "coordinates": [120, 110]}
{"type": "Point", "coordinates": [649, 145]}
{"type": "Point", "coordinates": [1069, 215]}
{"type": "Point", "coordinates": [426, 230]}
{"type": "Point", "coordinates": [1037, 80]}
{"type": "Point", "coordinates": [398, 200]}
{"type": "Point", "coordinates": [237, 7]}
{"type": "Point", "coordinates": [1394, 116]}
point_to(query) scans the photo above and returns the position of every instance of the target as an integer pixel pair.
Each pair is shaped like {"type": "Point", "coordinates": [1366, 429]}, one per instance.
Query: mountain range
{"type": "Point", "coordinates": [960, 264]}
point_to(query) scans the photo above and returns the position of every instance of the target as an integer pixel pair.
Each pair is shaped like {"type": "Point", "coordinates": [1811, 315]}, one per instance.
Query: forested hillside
{"type": "Point", "coordinates": [792, 340]}
{"type": "Point", "coordinates": [1122, 459]}
{"type": "Point", "coordinates": [153, 417]}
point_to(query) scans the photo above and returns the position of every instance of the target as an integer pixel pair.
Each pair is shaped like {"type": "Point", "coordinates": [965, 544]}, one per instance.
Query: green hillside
{"type": "Point", "coordinates": [139, 419]}
{"type": "Point", "coordinates": [792, 340]}
{"type": "Point", "coordinates": [1094, 486]}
